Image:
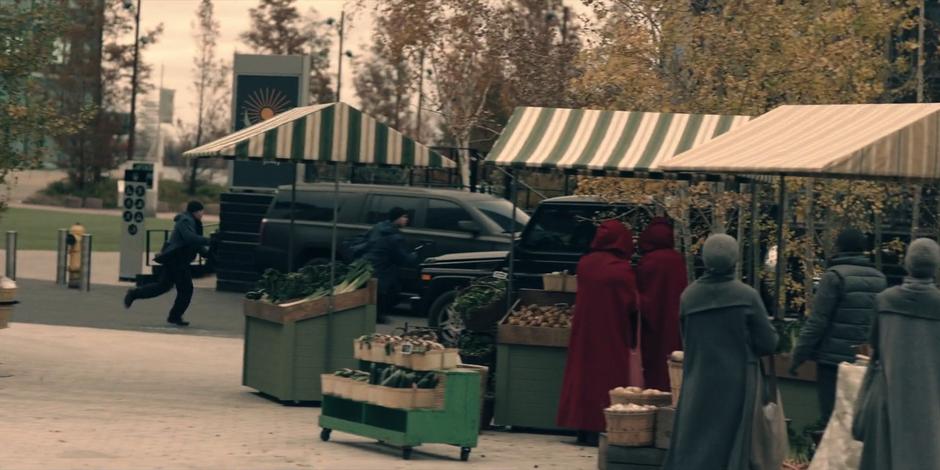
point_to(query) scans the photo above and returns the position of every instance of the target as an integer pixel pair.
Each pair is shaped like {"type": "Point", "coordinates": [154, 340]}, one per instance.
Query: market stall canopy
{"type": "Point", "coordinates": [582, 139]}
{"type": "Point", "coordinates": [858, 140]}
{"type": "Point", "coordinates": [334, 132]}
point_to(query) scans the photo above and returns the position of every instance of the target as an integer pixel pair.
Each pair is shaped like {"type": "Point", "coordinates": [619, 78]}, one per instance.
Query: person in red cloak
{"type": "Point", "coordinates": [661, 278]}
{"type": "Point", "coordinates": [601, 332]}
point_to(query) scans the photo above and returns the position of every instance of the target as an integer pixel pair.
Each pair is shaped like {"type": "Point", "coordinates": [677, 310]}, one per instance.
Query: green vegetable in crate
{"type": "Point", "coordinates": [311, 282]}
{"type": "Point", "coordinates": [481, 293]}
{"type": "Point", "coordinates": [429, 380]}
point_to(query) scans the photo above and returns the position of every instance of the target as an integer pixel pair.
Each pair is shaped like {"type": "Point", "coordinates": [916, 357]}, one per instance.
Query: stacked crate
{"type": "Point", "coordinates": [238, 238]}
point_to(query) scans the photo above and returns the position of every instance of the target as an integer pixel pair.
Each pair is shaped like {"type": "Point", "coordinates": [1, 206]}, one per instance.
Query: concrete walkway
{"type": "Point", "coordinates": [80, 398]}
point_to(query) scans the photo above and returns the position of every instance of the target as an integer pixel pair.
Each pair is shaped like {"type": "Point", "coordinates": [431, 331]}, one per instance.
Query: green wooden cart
{"type": "Point", "coordinates": [457, 423]}
{"type": "Point", "coordinates": [531, 368]}
{"type": "Point", "coordinates": [287, 347]}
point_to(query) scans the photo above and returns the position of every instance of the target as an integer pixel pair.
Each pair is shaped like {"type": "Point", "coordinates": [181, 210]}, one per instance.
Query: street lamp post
{"type": "Point", "coordinates": [133, 117]}
{"type": "Point", "coordinates": [339, 71]}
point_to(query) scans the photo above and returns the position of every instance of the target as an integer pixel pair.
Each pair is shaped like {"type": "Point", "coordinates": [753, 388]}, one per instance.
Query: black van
{"type": "Point", "coordinates": [445, 221]}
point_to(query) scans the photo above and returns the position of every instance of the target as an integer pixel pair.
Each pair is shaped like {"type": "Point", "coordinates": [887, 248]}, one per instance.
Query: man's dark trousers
{"type": "Point", "coordinates": [827, 376]}
{"type": "Point", "coordinates": [173, 274]}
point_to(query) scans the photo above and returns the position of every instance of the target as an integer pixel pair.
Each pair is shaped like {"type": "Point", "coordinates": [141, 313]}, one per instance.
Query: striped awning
{"type": "Point", "coordinates": [858, 140]}
{"type": "Point", "coordinates": [334, 132]}
{"type": "Point", "coordinates": [603, 140]}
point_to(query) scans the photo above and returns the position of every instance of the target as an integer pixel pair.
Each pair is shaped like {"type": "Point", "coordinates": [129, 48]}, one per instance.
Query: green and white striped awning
{"type": "Point", "coordinates": [584, 139]}
{"type": "Point", "coordinates": [334, 132]}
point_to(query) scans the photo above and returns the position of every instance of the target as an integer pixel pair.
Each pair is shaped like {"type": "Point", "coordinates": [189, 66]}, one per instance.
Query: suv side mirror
{"type": "Point", "coordinates": [469, 226]}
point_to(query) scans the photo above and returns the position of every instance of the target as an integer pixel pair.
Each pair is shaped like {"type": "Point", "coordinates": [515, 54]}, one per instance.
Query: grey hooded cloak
{"type": "Point", "coordinates": [725, 329]}
{"type": "Point", "coordinates": [904, 432]}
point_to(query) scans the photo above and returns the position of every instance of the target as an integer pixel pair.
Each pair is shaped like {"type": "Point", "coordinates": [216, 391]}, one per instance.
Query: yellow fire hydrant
{"type": "Point", "coordinates": [76, 232]}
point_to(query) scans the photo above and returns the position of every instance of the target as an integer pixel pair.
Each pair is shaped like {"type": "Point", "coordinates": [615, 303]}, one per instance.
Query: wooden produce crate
{"type": "Point", "coordinates": [534, 335]}
{"type": "Point", "coordinates": [613, 457]}
{"type": "Point", "coordinates": [457, 423]}
{"type": "Point", "coordinates": [287, 347]}
{"type": "Point", "coordinates": [531, 367]}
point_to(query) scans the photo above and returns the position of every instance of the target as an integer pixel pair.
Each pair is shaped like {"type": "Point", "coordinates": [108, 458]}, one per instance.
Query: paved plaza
{"type": "Point", "coordinates": [90, 398]}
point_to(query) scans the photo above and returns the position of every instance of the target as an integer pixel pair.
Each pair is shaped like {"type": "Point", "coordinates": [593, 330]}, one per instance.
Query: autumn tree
{"type": "Point", "coordinates": [30, 38]}
{"type": "Point", "coordinates": [106, 72]}
{"type": "Point", "coordinates": [278, 28]}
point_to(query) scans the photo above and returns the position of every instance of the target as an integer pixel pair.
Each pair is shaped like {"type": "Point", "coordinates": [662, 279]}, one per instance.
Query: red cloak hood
{"type": "Point", "coordinates": [657, 236]}
{"type": "Point", "coordinates": [614, 237]}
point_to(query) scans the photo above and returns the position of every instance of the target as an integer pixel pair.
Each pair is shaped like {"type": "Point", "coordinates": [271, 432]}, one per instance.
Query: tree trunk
{"type": "Point", "coordinates": [463, 164]}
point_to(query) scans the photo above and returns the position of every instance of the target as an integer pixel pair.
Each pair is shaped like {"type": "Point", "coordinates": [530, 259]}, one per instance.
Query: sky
{"type": "Point", "coordinates": [175, 49]}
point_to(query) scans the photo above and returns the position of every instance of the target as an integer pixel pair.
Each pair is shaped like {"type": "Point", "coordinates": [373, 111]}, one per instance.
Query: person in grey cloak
{"type": "Point", "coordinates": [905, 339]}
{"type": "Point", "coordinates": [725, 330]}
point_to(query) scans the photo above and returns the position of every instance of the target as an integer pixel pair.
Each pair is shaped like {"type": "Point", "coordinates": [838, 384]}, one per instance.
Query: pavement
{"type": "Point", "coordinates": [91, 398]}
{"type": "Point", "coordinates": [86, 384]}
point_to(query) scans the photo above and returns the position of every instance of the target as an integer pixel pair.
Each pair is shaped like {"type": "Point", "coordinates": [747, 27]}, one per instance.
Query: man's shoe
{"type": "Point", "coordinates": [129, 298]}
{"type": "Point", "coordinates": [177, 322]}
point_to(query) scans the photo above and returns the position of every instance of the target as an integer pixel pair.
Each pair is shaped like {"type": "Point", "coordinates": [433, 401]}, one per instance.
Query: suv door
{"type": "Point", "coordinates": [442, 226]}
{"type": "Point", "coordinates": [377, 210]}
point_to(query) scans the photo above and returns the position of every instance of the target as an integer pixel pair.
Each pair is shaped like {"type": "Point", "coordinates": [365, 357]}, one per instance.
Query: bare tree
{"type": "Point", "coordinates": [212, 77]}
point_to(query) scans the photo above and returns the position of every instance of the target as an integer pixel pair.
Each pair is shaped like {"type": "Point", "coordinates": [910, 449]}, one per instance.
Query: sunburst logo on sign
{"type": "Point", "coordinates": [264, 104]}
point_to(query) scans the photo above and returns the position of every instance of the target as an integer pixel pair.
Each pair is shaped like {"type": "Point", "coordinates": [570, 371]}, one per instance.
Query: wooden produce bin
{"type": "Point", "coordinates": [799, 395]}
{"type": "Point", "coordinates": [288, 346]}
{"type": "Point", "coordinates": [456, 423]}
{"type": "Point", "coordinates": [530, 368]}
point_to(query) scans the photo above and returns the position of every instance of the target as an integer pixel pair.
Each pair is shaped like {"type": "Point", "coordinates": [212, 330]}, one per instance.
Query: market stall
{"type": "Point", "coordinates": [531, 357]}
{"type": "Point", "coordinates": [289, 343]}
{"type": "Point", "coordinates": [898, 142]}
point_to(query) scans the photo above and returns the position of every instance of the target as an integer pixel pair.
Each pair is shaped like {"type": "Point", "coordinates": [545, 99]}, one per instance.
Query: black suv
{"type": "Point", "coordinates": [560, 232]}
{"type": "Point", "coordinates": [445, 221]}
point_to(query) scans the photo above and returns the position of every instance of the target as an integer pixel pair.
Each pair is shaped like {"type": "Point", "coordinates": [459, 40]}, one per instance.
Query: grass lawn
{"type": "Point", "coordinates": [38, 229]}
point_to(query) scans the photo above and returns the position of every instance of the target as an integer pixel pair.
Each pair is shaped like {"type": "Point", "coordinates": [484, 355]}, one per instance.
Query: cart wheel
{"type": "Point", "coordinates": [464, 454]}
{"type": "Point", "coordinates": [406, 453]}
{"type": "Point", "coordinates": [325, 434]}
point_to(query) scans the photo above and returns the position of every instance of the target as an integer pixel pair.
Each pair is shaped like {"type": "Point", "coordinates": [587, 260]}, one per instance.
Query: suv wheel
{"type": "Point", "coordinates": [450, 325]}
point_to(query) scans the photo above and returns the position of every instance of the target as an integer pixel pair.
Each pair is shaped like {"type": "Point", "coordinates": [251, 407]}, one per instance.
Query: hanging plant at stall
{"type": "Point", "coordinates": [481, 296]}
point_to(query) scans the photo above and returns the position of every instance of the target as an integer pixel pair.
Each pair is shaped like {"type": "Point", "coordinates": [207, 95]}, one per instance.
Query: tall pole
{"type": "Point", "coordinates": [420, 95]}
{"type": "Point", "coordinates": [920, 53]}
{"type": "Point", "coordinates": [339, 72]}
{"type": "Point", "coordinates": [133, 117]}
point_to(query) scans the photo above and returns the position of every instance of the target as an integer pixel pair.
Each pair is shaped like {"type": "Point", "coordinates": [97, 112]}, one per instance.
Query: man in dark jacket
{"type": "Point", "coordinates": [841, 315]}
{"type": "Point", "coordinates": [180, 250]}
{"type": "Point", "coordinates": [387, 253]}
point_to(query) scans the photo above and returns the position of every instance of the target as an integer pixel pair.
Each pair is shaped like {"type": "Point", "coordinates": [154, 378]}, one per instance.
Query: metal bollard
{"type": "Point", "coordinates": [11, 254]}
{"type": "Point", "coordinates": [86, 262]}
{"type": "Point", "coordinates": [62, 259]}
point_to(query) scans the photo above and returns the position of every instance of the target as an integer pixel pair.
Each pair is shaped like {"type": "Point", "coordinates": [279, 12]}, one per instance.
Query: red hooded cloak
{"type": "Point", "coordinates": [661, 277]}
{"type": "Point", "coordinates": [601, 332]}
